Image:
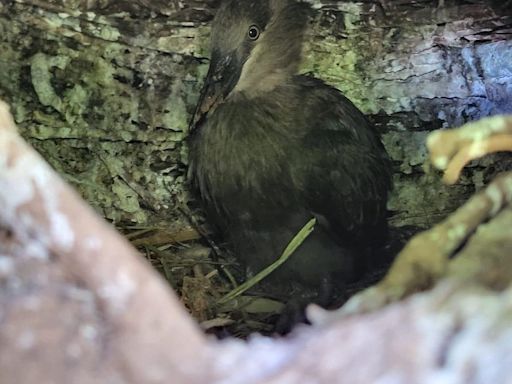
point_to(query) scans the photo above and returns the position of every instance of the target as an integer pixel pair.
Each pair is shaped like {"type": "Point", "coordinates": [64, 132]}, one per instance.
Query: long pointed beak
{"type": "Point", "coordinates": [220, 80]}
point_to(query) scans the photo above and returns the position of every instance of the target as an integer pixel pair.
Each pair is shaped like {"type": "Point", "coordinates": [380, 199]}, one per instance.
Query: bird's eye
{"type": "Point", "coordinates": [253, 32]}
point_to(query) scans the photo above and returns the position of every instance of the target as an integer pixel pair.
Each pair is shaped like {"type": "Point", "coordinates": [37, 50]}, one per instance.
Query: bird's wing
{"type": "Point", "coordinates": [344, 171]}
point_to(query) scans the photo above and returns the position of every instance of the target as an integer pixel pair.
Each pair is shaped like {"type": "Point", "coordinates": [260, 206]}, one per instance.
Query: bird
{"type": "Point", "coordinates": [270, 148]}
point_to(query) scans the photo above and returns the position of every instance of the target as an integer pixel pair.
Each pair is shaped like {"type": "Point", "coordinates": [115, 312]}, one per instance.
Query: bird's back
{"type": "Point", "coordinates": [344, 167]}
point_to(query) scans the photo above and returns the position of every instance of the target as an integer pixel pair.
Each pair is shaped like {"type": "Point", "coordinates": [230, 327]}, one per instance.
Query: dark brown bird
{"type": "Point", "coordinates": [271, 148]}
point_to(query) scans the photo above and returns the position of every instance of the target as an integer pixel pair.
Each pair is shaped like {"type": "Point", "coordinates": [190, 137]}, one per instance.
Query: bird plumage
{"type": "Point", "coordinates": [271, 148]}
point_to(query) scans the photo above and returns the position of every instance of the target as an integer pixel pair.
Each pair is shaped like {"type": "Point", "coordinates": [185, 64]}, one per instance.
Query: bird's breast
{"type": "Point", "coordinates": [238, 155]}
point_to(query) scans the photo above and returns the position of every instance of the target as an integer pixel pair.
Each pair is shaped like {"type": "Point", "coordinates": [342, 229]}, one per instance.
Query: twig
{"type": "Point", "coordinates": [200, 230]}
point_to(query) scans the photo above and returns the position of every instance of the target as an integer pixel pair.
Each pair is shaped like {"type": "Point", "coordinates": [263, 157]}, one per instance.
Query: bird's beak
{"type": "Point", "coordinates": [222, 77]}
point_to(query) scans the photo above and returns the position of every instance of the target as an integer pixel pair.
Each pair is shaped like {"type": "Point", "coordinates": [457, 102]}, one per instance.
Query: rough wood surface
{"type": "Point", "coordinates": [77, 305]}
{"type": "Point", "coordinates": [74, 295]}
{"type": "Point", "coordinates": [104, 89]}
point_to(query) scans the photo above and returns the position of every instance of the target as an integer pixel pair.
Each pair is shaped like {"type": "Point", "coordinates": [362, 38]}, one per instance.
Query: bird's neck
{"type": "Point", "coordinates": [253, 87]}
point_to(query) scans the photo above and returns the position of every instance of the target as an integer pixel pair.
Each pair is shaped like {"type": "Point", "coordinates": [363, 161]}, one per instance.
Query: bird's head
{"type": "Point", "coordinates": [255, 46]}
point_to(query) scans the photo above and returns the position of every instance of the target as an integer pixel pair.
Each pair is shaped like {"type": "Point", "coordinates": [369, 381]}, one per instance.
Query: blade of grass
{"type": "Point", "coordinates": [297, 240]}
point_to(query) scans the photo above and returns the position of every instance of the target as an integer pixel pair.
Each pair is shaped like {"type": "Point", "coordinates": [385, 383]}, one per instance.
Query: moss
{"type": "Point", "coordinates": [127, 201]}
